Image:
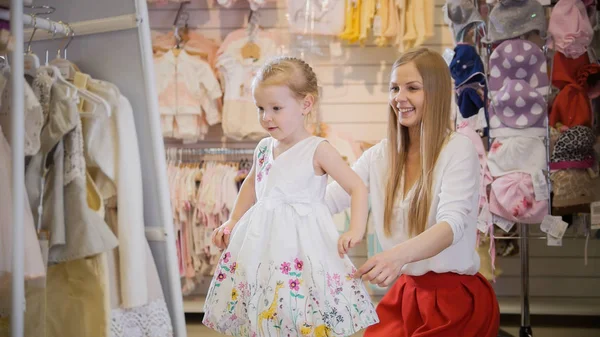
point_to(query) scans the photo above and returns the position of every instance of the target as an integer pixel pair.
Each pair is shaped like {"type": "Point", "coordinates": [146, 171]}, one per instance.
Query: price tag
{"type": "Point", "coordinates": [540, 185]}
{"type": "Point", "coordinates": [504, 224]}
{"type": "Point", "coordinates": [482, 226]}
{"type": "Point", "coordinates": [484, 219]}
{"type": "Point", "coordinates": [554, 242]}
{"type": "Point", "coordinates": [448, 55]}
{"type": "Point", "coordinates": [554, 226]}
{"type": "Point", "coordinates": [335, 48]}
{"type": "Point", "coordinates": [559, 229]}
{"type": "Point", "coordinates": [547, 222]}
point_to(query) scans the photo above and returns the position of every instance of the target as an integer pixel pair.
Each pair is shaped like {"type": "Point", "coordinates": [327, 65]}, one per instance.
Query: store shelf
{"type": "Point", "coordinates": [552, 306]}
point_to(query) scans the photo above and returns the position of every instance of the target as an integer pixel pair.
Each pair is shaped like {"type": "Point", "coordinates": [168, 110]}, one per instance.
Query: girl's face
{"type": "Point", "coordinates": [280, 112]}
{"type": "Point", "coordinates": [407, 95]}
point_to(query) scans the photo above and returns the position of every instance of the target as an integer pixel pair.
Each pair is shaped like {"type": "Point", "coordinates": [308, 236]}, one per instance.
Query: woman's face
{"type": "Point", "coordinates": [407, 95]}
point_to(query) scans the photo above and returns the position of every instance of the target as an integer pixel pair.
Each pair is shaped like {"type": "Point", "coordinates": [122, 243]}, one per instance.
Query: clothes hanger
{"type": "Point", "coordinates": [31, 61]}
{"type": "Point", "coordinates": [98, 104]}
{"type": "Point", "coordinates": [67, 68]}
{"type": "Point", "coordinates": [251, 50]}
{"type": "Point", "coordinates": [180, 36]}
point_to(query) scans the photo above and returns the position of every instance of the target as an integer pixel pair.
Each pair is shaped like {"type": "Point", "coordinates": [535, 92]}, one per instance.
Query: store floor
{"type": "Point", "coordinates": [196, 329]}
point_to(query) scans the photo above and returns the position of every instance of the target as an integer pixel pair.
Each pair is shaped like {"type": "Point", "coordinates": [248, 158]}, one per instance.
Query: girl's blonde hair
{"type": "Point", "coordinates": [292, 72]}
{"type": "Point", "coordinates": [435, 129]}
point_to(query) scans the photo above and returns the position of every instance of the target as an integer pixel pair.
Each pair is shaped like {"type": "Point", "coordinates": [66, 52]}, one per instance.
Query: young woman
{"type": "Point", "coordinates": [424, 186]}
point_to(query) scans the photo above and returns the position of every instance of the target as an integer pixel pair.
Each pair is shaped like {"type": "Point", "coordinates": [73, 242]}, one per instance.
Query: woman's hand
{"type": "Point", "coordinates": [349, 240]}
{"type": "Point", "coordinates": [220, 236]}
{"type": "Point", "coordinates": [384, 268]}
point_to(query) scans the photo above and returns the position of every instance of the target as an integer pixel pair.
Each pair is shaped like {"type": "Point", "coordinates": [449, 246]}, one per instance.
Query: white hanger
{"type": "Point", "coordinates": [31, 60]}
{"type": "Point", "coordinates": [98, 103]}
{"type": "Point", "coordinates": [66, 67]}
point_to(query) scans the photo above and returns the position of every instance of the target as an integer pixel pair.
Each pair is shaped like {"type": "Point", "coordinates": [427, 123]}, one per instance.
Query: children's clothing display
{"type": "Point", "coordinates": [541, 126]}
{"type": "Point", "coordinates": [281, 273]}
{"type": "Point", "coordinates": [310, 17]}
{"type": "Point", "coordinates": [202, 196]}
{"type": "Point", "coordinates": [240, 117]}
{"type": "Point", "coordinates": [188, 90]}
{"type": "Point", "coordinates": [95, 269]}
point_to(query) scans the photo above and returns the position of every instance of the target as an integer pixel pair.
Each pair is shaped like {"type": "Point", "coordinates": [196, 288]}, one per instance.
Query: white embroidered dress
{"type": "Point", "coordinates": [281, 274]}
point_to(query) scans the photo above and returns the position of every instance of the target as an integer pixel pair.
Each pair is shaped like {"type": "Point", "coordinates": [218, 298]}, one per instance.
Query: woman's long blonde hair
{"type": "Point", "coordinates": [435, 129]}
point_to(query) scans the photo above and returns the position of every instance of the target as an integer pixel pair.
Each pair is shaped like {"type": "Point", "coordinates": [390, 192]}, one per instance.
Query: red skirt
{"type": "Point", "coordinates": [441, 305]}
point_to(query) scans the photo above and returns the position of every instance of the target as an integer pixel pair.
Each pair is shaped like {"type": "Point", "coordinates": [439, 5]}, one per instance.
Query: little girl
{"type": "Point", "coordinates": [285, 271]}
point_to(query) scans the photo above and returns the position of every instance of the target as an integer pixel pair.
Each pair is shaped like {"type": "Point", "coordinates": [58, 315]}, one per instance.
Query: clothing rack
{"type": "Point", "coordinates": [211, 151]}
{"type": "Point", "coordinates": [525, 328]}
{"type": "Point", "coordinates": [41, 23]}
{"type": "Point", "coordinates": [17, 79]}
{"type": "Point", "coordinates": [135, 46]}
{"type": "Point", "coordinates": [82, 28]}
{"type": "Point", "coordinates": [17, 19]}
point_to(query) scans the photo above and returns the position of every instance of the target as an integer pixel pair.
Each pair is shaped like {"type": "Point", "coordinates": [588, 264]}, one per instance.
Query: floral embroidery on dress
{"type": "Point", "coordinates": [289, 304]}
{"type": "Point", "coordinates": [264, 166]}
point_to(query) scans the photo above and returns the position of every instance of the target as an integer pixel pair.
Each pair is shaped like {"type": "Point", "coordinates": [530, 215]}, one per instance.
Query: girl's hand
{"type": "Point", "coordinates": [348, 240]}
{"type": "Point", "coordinates": [220, 236]}
{"type": "Point", "coordinates": [384, 268]}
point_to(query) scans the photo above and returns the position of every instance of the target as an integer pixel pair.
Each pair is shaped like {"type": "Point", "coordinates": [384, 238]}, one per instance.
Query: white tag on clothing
{"type": "Point", "coordinates": [554, 242]}
{"type": "Point", "coordinates": [448, 55]}
{"type": "Point", "coordinates": [335, 49]}
{"type": "Point", "coordinates": [554, 226]}
{"type": "Point", "coordinates": [547, 223]}
{"type": "Point", "coordinates": [504, 224]}
{"type": "Point", "coordinates": [484, 219]}
{"type": "Point", "coordinates": [540, 185]}
{"type": "Point", "coordinates": [482, 226]}
{"type": "Point", "coordinates": [558, 229]}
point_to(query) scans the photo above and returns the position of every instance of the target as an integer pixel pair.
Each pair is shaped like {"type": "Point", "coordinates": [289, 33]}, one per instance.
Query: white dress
{"type": "Point", "coordinates": [281, 274]}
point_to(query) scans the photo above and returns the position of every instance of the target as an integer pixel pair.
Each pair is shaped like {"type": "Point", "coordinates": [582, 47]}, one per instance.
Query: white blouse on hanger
{"type": "Point", "coordinates": [112, 148]}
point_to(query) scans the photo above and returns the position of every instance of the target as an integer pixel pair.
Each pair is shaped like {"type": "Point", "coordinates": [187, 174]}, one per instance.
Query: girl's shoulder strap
{"type": "Point", "coordinates": [313, 143]}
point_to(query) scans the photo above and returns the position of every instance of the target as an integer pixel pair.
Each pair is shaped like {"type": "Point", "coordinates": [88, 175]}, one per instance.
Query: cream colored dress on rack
{"type": "Point", "coordinates": [138, 308]}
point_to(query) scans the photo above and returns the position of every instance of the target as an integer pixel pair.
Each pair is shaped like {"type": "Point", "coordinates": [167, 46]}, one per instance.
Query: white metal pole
{"type": "Point", "coordinates": [157, 145]}
{"type": "Point", "coordinates": [18, 169]}
{"type": "Point", "coordinates": [41, 23]}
